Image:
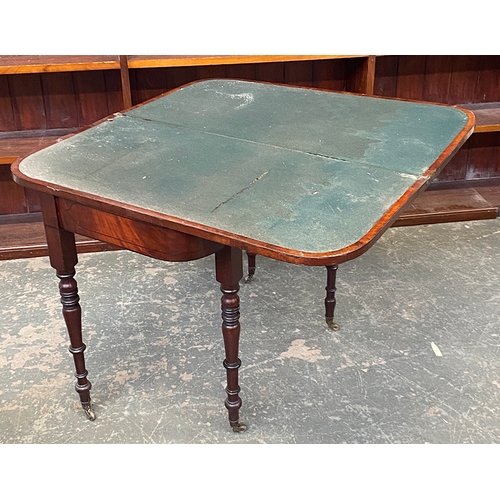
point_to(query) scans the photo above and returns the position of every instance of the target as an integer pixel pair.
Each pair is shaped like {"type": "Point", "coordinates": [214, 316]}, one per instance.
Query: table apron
{"type": "Point", "coordinates": [137, 236]}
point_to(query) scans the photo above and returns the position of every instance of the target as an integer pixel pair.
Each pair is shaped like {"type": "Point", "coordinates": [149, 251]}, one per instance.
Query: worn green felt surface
{"type": "Point", "coordinates": [306, 170]}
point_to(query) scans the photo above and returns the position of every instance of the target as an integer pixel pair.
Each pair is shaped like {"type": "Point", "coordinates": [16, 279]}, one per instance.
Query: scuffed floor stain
{"type": "Point", "coordinates": [124, 376]}
{"type": "Point", "coordinates": [299, 350]}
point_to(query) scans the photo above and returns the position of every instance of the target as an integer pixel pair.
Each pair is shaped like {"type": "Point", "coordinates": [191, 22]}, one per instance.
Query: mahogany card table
{"type": "Point", "coordinates": [224, 166]}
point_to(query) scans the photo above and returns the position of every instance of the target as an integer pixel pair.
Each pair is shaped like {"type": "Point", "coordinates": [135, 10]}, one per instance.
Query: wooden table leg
{"type": "Point", "coordinates": [63, 258]}
{"type": "Point", "coordinates": [251, 267]}
{"type": "Point", "coordinates": [229, 271]}
{"type": "Point", "coordinates": [330, 299]}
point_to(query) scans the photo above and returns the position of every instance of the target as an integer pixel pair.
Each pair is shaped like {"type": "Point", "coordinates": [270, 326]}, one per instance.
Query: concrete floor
{"type": "Point", "coordinates": [416, 359]}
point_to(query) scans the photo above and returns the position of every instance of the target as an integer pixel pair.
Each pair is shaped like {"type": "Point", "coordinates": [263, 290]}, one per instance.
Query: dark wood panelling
{"type": "Point", "coordinates": [271, 72]}
{"type": "Point", "coordinates": [411, 77]}
{"type": "Point", "coordinates": [7, 120]}
{"type": "Point", "coordinates": [359, 75]}
{"type": "Point", "coordinates": [463, 79]}
{"type": "Point", "coordinates": [299, 73]}
{"type": "Point", "coordinates": [479, 158]}
{"type": "Point", "coordinates": [92, 102]}
{"type": "Point", "coordinates": [33, 204]}
{"type": "Point", "coordinates": [217, 71]}
{"type": "Point", "coordinates": [329, 74]}
{"type": "Point", "coordinates": [12, 199]}
{"type": "Point", "coordinates": [147, 83]}
{"type": "Point", "coordinates": [386, 76]}
{"type": "Point", "coordinates": [59, 100]}
{"type": "Point", "coordinates": [456, 168]}
{"type": "Point", "coordinates": [28, 103]}
{"type": "Point", "coordinates": [488, 80]}
{"type": "Point", "coordinates": [114, 93]}
{"type": "Point", "coordinates": [483, 159]}
{"type": "Point", "coordinates": [437, 78]}
{"type": "Point", "coordinates": [180, 76]}
{"type": "Point", "coordinates": [244, 71]}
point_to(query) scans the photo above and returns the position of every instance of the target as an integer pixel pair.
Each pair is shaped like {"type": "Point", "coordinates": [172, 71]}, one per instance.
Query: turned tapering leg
{"type": "Point", "coordinates": [251, 267]}
{"type": "Point", "coordinates": [330, 301]}
{"type": "Point", "coordinates": [73, 317]}
{"type": "Point", "coordinates": [229, 271]}
{"type": "Point", "coordinates": [63, 258]}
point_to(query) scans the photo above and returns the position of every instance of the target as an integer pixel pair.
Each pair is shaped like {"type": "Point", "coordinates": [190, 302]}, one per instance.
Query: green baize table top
{"type": "Point", "coordinates": [303, 169]}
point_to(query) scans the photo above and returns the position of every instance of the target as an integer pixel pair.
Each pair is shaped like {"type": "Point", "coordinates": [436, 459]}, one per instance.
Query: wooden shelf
{"type": "Point", "coordinates": [487, 116]}
{"type": "Point", "coordinates": [135, 62]}
{"type": "Point", "coordinates": [453, 205]}
{"type": "Point", "coordinates": [49, 64]}
{"type": "Point", "coordinates": [18, 144]}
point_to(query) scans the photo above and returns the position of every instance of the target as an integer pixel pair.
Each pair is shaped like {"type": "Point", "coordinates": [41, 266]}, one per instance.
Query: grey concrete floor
{"type": "Point", "coordinates": [416, 359]}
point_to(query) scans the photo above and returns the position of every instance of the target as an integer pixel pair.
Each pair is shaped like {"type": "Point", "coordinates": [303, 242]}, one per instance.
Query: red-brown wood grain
{"type": "Point", "coordinates": [488, 80]}
{"type": "Point", "coordinates": [483, 160]}
{"type": "Point", "coordinates": [115, 94]}
{"type": "Point", "coordinates": [457, 167]}
{"type": "Point", "coordinates": [411, 77]}
{"type": "Point", "coordinates": [138, 236]}
{"type": "Point", "coordinates": [271, 72]}
{"type": "Point", "coordinates": [28, 103]}
{"type": "Point", "coordinates": [7, 120]}
{"type": "Point", "coordinates": [12, 196]}
{"type": "Point", "coordinates": [147, 84]}
{"type": "Point", "coordinates": [92, 103]}
{"type": "Point", "coordinates": [299, 73]}
{"type": "Point", "coordinates": [438, 71]}
{"type": "Point", "coordinates": [245, 71]}
{"type": "Point", "coordinates": [386, 76]}
{"type": "Point", "coordinates": [215, 71]}
{"type": "Point", "coordinates": [329, 75]}
{"type": "Point", "coordinates": [59, 100]}
{"type": "Point", "coordinates": [463, 79]}
{"type": "Point", "coordinates": [360, 74]}
{"type": "Point", "coordinates": [177, 77]}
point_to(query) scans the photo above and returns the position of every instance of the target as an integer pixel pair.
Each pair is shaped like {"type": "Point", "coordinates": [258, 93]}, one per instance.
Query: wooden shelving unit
{"type": "Point", "coordinates": [43, 98]}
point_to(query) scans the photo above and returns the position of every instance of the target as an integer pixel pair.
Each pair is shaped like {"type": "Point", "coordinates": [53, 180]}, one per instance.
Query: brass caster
{"type": "Point", "coordinates": [332, 325]}
{"type": "Point", "coordinates": [89, 412]}
{"type": "Point", "coordinates": [239, 427]}
{"type": "Point", "coordinates": [249, 278]}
